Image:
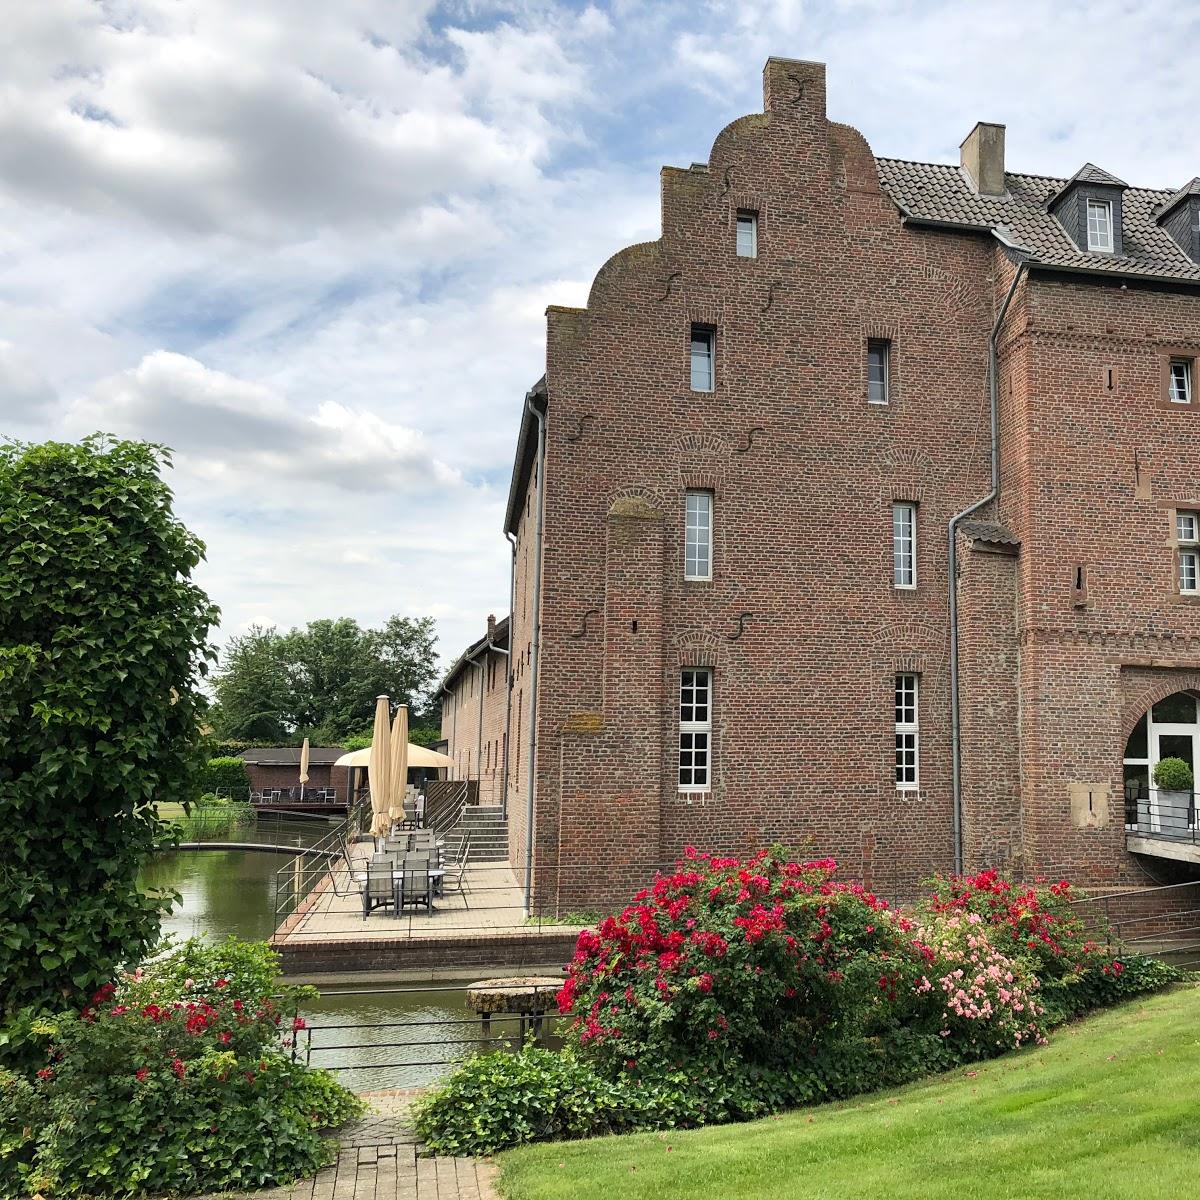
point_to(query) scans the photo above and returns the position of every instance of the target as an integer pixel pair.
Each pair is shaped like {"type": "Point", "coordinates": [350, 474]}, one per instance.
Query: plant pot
{"type": "Point", "coordinates": [1173, 811]}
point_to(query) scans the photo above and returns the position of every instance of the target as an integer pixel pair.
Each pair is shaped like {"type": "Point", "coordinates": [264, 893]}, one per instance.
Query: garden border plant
{"type": "Point", "coordinates": [177, 1077]}
{"type": "Point", "coordinates": [729, 990]}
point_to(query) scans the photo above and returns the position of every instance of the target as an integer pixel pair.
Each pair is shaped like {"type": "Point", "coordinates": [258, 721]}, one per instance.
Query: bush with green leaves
{"type": "Point", "coordinates": [502, 1099]}
{"type": "Point", "coordinates": [177, 1077]}
{"type": "Point", "coordinates": [1173, 775]}
{"type": "Point", "coordinates": [103, 646]}
{"type": "Point", "coordinates": [225, 775]}
{"type": "Point", "coordinates": [728, 990]}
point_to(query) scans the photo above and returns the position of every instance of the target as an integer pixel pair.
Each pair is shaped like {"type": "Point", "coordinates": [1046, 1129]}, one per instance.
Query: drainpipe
{"type": "Point", "coordinates": [535, 644]}
{"type": "Point", "coordinates": [508, 680]}
{"type": "Point", "coordinates": [453, 722]}
{"type": "Point", "coordinates": [952, 530]}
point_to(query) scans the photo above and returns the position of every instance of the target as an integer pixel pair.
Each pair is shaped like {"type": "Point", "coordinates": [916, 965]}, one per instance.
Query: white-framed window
{"type": "Point", "coordinates": [908, 750]}
{"type": "Point", "coordinates": [695, 729]}
{"type": "Point", "coordinates": [1100, 225]}
{"type": "Point", "coordinates": [698, 535]}
{"type": "Point", "coordinates": [904, 545]}
{"type": "Point", "coordinates": [704, 345]}
{"type": "Point", "coordinates": [1179, 381]}
{"type": "Point", "coordinates": [878, 354]}
{"type": "Point", "coordinates": [747, 234]}
{"type": "Point", "coordinates": [1187, 532]}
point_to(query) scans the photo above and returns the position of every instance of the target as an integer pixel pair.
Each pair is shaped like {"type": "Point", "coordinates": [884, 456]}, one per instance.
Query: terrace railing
{"type": "Point", "coordinates": [1157, 813]}
{"type": "Point", "coordinates": [301, 875]}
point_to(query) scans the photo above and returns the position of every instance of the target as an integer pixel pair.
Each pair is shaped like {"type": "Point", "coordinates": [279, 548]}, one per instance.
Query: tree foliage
{"type": "Point", "coordinates": [103, 640]}
{"type": "Point", "coordinates": [321, 681]}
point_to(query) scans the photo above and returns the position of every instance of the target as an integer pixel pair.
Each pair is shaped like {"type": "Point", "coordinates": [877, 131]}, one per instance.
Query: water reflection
{"type": "Point", "coordinates": [387, 1040]}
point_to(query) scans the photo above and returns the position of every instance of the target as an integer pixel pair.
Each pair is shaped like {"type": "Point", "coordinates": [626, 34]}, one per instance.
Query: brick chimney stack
{"type": "Point", "coordinates": [982, 157]}
{"type": "Point", "coordinates": [491, 626]}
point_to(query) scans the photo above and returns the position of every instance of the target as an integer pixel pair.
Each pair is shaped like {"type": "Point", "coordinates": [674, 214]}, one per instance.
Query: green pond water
{"type": "Point", "coordinates": [380, 1040]}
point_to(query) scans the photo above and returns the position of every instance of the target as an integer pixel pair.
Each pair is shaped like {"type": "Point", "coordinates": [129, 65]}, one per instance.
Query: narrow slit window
{"type": "Point", "coordinates": [908, 733]}
{"type": "Point", "coordinates": [704, 344]}
{"type": "Point", "coordinates": [878, 356]}
{"type": "Point", "coordinates": [904, 545]}
{"type": "Point", "coordinates": [698, 535]}
{"type": "Point", "coordinates": [695, 729]}
{"type": "Point", "coordinates": [1187, 531]}
{"type": "Point", "coordinates": [1180, 381]}
{"type": "Point", "coordinates": [747, 234]}
{"type": "Point", "coordinates": [1100, 226]}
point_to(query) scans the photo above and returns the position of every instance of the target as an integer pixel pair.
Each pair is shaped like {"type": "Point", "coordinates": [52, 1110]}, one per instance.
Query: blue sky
{"type": "Point", "coordinates": [309, 244]}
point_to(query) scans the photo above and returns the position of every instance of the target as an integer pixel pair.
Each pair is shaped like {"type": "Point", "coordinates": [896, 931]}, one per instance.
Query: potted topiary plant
{"type": "Point", "coordinates": [1175, 781]}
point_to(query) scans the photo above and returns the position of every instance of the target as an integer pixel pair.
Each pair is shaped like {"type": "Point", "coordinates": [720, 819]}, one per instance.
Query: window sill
{"type": "Point", "coordinates": [687, 795]}
{"type": "Point", "coordinates": [906, 588]}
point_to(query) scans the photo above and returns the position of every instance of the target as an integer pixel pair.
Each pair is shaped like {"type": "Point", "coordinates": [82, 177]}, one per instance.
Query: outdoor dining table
{"type": "Point", "coordinates": [436, 874]}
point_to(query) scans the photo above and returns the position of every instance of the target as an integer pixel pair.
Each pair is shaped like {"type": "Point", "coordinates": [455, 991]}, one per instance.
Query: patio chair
{"type": "Point", "coordinates": [456, 880]}
{"type": "Point", "coordinates": [379, 890]}
{"type": "Point", "coordinates": [416, 887]}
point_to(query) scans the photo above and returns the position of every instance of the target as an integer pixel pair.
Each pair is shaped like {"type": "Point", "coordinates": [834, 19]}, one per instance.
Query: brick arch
{"type": "Point", "coordinates": [635, 500]}
{"type": "Point", "coordinates": [1150, 695]}
{"type": "Point", "coordinates": [699, 648]}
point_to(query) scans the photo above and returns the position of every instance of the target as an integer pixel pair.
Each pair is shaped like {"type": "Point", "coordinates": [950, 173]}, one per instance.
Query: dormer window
{"type": "Point", "coordinates": [1100, 226]}
{"type": "Point", "coordinates": [1180, 217]}
{"type": "Point", "coordinates": [1088, 206]}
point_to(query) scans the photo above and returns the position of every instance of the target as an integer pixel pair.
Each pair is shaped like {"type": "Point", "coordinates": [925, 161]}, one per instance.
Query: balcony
{"type": "Point", "coordinates": [1162, 824]}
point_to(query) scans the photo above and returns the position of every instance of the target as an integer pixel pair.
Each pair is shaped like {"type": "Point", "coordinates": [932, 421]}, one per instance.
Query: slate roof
{"type": "Point", "coordinates": [499, 638]}
{"type": "Point", "coordinates": [940, 194]}
{"type": "Point", "coordinates": [1191, 188]}
{"type": "Point", "coordinates": [289, 756]}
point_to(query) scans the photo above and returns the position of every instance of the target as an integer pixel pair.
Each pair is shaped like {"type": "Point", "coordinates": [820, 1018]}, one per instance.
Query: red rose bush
{"type": "Point", "coordinates": [729, 989]}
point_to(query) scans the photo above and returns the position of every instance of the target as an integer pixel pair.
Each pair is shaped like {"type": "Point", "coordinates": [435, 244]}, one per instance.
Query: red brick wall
{"type": "Point", "coordinates": [801, 624]}
{"type": "Point", "coordinates": [1092, 475]}
{"type": "Point", "coordinates": [461, 725]}
{"type": "Point", "coordinates": [804, 474]}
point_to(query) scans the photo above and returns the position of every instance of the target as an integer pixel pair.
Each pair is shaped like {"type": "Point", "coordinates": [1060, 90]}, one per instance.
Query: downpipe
{"type": "Point", "coordinates": [952, 546]}
{"type": "Point", "coordinates": [534, 650]}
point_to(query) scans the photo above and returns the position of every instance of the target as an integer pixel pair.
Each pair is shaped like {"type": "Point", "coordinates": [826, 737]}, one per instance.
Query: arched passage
{"type": "Point", "coordinates": [1169, 728]}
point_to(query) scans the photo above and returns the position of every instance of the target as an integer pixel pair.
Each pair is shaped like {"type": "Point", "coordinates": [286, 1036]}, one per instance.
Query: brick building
{"type": "Point", "coordinates": [278, 767]}
{"type": "Point", "coordinates": [758, 457]}
{"type": "Point", "coordinates": [475, 713]}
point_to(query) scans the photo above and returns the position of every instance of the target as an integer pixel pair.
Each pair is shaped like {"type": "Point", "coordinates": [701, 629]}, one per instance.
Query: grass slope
{"type": "Point", "coordinates": [1111, 1108]}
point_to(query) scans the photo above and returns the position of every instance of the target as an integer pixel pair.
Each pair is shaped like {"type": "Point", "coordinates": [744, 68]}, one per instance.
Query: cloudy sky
{"type": "Point", "coordinates": [309, 243]}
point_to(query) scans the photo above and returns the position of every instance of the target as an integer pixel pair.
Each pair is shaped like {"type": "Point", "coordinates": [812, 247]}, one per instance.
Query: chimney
{"type": "Point", "coordinates": [491, 626]}
{"type": "Point", "coordinates": [982, 156]}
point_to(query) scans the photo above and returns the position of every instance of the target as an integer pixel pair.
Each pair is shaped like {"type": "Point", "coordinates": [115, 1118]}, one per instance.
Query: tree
{"type": "Point", "coordinates": [321, 681]}
{"type": "Point", "coordinates": [253, 691]}
{"type": "Point", "coordinates": [103, 643]}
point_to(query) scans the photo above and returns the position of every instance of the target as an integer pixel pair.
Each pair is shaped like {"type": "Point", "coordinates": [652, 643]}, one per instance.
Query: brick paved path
{"type": "Point", "coordinates": [378, 1161]}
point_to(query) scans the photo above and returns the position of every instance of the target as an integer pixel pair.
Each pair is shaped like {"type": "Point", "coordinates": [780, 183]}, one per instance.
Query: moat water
{"type": "Point", "coordinates": [378, 1040]}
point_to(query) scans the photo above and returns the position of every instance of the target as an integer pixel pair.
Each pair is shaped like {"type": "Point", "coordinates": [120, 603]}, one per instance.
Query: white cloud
{"type": "Point", "coordinates": [310, 244]}
{"type": "Point", "coordinates": [226, 428]}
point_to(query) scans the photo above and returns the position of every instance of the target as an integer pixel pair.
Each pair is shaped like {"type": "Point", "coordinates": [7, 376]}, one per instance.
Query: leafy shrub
{"type": "Point", "coordinates": [215, 816]}
{"type": "Point", "coordinates": [103, 645]}
{"type": "Point", "coordinates": [501, 1099]}
{"type": "Point", "coordinates": [1038, 927]}
{"type": "Point", "coordinates": [729, 990]}
{"type": "Point", "coordinates": [177, 1077]}
{"type": "Point", "coordinates": [226, 774]}
{"type": "Point", "coordinates": [22, 1114]}
{"type": "Point", "coordinates": [1173, 775]}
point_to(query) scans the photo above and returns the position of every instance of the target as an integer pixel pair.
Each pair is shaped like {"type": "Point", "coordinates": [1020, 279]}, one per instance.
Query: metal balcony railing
{"type": "Point", "coordinates": [1157, 813]}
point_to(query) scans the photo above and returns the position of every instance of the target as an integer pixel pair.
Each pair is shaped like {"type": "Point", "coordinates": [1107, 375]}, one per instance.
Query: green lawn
{"type": "Point", "coordinates": [1111, 1108]}
{"type": "Point", "coordinates": [169, 811]}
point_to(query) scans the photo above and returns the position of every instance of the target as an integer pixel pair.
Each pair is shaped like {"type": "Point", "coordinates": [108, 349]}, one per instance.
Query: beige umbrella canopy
{"type": "Point", "coordinates": [303, 767]}
{"type": "Point", "coordinates": [399, 763]}
{"type": "Point", "coordinates": [379, 769]}
{"type": "Point", "coordinates": [418, 756]}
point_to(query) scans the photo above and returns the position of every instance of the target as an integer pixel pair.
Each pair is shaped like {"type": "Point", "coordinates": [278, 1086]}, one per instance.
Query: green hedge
{"type": "Point", "coordinates": [225, 774]}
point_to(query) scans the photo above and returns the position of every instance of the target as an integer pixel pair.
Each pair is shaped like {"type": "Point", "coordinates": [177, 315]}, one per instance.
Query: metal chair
{"type": "Point", "coordinates": [456, 880]}
{"type": "Point", "coordinates": [379, 891]}
{"type": "Point", "coordinates": [416, 886]}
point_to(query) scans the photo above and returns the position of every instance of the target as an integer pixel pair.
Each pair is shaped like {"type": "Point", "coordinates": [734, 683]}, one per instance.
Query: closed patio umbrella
{"type": "Point", "coordinates": [379, 769]}
{"type": "Point", "coordinates": [399, 763]}
{"type": "Point", "coordinates": [303, 767]}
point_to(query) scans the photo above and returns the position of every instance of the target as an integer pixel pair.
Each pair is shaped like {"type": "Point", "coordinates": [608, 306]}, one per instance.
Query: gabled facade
{"type": "Point", "coordinates": [759, 457]}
